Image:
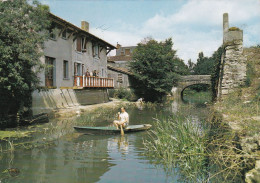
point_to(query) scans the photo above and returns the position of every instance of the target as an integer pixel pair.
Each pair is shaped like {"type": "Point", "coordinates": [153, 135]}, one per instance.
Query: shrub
{"type": "Point", "coordinates": [123, 93]}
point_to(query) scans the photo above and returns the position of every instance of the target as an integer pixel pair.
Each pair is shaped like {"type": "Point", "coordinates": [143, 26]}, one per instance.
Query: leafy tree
{"type": "Point", "coordinates": [191, 66]}
{"type": "Point", "coordinates": [216, 57]}
{"type": "Point", "coordinates": [22, 35]}
{"type": "Point", "coordinates": [204, 65]}
{"type": "Point", "coordinates": [156, 69]}
{"type": "Point", "coordinates": [208, 66]}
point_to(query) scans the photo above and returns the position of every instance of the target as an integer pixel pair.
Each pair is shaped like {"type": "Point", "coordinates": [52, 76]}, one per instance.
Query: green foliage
{"type": "Point", "coordinates": [156, 69]}
{"type": "Point", "coordinates": [250, 73]}
{"type": "Point", "coordinates": [123, 93]}
{"type": "Point", "coordinates": [191, 66]}
{"type": "Point", "coordinates": [181, 143]}
{"type": "Point", "coordinates": [201, 97]}
{"type": "Point", "coordinates": [204, 65]}
{"type": "Point", "coordinates": [216, 57]}
{"type": "Point", "coordinates": [22, 34]}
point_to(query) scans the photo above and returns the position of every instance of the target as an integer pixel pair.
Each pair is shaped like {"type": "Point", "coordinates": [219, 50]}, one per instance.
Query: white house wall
{"type": "Point", "coordinates": [60, 49]}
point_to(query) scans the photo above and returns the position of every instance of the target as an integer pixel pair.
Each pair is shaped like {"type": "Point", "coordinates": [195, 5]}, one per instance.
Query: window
{"type": "Point", "coordinates": [95, 51]}
{"type": "Point", "coordinates": [120, 78]}
{"type": "Point", "coordinates": [52, 32]}
{"type": "Point", "coordinates": [77, 69]}
{"type": "Point", "coordinates": [49, 71]}
{"type": "Point", "coordinates": [127, 52]}
{"type": "Point", "coordinates": [84, 44]}
{"type": "Point", "coordinates": [64, 34]}
{"type": "Point", "coordinates": [65, 69]}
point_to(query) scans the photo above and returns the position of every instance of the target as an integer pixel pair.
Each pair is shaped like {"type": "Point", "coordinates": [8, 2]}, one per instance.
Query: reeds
{"type": "Point", "coordinates": [179, 142]}
{"type": "Point", "coordinates": [199, 152]}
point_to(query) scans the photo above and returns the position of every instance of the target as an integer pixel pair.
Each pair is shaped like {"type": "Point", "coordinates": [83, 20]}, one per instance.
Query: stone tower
{"type": "Point", "coordinates": [233, 62]}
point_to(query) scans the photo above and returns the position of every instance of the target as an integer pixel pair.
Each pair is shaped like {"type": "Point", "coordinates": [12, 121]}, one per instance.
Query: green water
{"type": "Point", "coordinates": [61, 155]}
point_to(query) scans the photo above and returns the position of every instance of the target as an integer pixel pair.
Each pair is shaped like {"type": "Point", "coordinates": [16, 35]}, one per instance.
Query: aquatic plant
{"type": "Point", "coordinates": [202, 152]}
{"type": "Point", "coordinates": [179, 142]}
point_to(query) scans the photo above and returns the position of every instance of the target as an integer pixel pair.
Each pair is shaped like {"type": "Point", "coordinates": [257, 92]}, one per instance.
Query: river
{"type": "Point", "coordinates": [61, 155]}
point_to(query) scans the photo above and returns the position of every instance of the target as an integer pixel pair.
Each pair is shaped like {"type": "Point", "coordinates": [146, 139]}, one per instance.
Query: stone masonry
{"type": "Point", "coordinates": [233, 62]}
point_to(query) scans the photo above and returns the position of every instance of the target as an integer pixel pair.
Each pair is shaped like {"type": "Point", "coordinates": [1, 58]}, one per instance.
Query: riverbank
{"type": "Point", "coordinates": [65, 113]}
{"type": "Point", "coordinates": [241, 112]}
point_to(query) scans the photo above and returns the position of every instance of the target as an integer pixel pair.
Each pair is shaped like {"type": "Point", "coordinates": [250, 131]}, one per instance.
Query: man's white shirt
{"type": "Point", "coordinates": [124, 117]}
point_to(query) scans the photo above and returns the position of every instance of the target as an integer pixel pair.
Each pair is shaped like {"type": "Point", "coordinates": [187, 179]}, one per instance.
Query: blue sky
{"type": "Point", "coordinates": [194, 25]}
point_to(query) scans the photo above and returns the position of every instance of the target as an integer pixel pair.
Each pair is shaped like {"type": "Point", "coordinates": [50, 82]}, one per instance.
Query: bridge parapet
{"type": "Point", "coordinates": [195, 78]}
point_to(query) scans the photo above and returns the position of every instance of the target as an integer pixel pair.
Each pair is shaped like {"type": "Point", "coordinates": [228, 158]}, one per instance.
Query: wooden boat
{"type": "Point", "coordinates": [111, 129]}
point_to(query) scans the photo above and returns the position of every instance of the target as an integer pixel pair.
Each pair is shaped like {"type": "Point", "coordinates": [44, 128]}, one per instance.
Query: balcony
{"type": "Point", "coordinates": [81, 82]}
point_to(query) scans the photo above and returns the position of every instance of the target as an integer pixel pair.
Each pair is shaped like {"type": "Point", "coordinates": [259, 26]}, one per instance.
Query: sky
{"type": "Point", "coordinates": [194, 25]}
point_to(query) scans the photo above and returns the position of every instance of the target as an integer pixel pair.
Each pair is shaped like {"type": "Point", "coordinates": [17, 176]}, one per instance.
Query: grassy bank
{"type": "Point", "coordinates": [193, 96]}
{"type": "Point", "coordinates": [241, 113]}
{"type": "Point", "coordinates": [241, 109]}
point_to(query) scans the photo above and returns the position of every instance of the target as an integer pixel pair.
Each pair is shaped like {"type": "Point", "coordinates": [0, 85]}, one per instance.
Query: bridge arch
{"type": "Point", "coordinates": [186, 81]}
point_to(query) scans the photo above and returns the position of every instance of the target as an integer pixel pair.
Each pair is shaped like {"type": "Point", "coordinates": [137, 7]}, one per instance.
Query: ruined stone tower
{"type": "Point", "coordinates": [233, 62]}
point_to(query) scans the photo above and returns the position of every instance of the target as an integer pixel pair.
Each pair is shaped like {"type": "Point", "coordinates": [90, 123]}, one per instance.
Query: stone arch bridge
{"type": "Point", "coordinates": [186, 81]}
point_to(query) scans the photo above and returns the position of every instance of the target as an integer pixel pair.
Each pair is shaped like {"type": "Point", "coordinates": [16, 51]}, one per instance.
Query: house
{"type": "Point", "coordinates": [118, 66]}
{"type": "Point", "coordinates": [70, 54]}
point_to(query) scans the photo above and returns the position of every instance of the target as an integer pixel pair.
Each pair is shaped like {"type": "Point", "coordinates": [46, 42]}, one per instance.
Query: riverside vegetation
{"type": "Point", "coordinates": [227, 146]}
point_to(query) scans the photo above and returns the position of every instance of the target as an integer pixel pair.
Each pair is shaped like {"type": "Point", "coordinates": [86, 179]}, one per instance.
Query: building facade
{"type": "Point", "coordinates": [76, 68]}
{"type": "Point", "coordinates": [118, 66]}
{"type": "Point", "coordinates": [72, 51]}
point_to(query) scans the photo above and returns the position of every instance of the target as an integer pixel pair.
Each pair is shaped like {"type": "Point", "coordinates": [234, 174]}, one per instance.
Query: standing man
{"type": "Point", "coordinates": [123, 119]}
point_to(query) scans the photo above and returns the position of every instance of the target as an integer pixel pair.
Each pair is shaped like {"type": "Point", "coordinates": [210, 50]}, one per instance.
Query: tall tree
{"type": "Point", "coordinates": [191, 66]}
{"type": "Point", "coordinates": [22, 36]}
{"type": "Point", "coordinates": [203, 66]}
{"type": "Point", "coordinates": [216, 57]}
{"type": "Point", "coordinates": [156, 69]}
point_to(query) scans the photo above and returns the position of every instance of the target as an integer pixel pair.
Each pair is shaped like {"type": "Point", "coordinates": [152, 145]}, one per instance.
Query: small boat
{"type": "Point", "coordinates": [111, 129]}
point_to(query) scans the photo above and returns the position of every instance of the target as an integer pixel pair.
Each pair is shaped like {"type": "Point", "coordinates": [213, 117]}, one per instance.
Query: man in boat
{"type": "Point", "coordinates": [123, 119]}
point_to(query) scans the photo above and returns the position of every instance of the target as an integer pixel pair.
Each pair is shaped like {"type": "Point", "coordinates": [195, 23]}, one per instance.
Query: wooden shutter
{"type": "Point", "coordinates": [79, 44]}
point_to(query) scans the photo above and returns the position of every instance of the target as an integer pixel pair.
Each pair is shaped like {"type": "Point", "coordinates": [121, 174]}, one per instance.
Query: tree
{"type": "Point", "coordinates": [156, 69]}
{"type": "Point", "coordinates": [216, 57]}
{"type": "Point", "coordinates": [191, 66]}
{"type": "Point", "coordinates": [204, 65]}
{"type": "Point", "coordinates": [22, 34]}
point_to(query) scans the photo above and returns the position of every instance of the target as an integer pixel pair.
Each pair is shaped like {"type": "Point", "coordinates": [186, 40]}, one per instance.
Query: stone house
{"type": "Point", "coordinates": [69, 53]}
{"type": "Point", "coordinates": [118, 66]}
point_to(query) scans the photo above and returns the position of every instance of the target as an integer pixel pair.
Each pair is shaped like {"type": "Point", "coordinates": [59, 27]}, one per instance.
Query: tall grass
{"type": "Point", "coordinates": [179, 142]}
{"type": "Point", "coordinates": [201, 153]}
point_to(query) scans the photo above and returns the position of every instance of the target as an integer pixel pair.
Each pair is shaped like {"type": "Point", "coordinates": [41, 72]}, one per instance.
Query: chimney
{"type": "Point", "coordinates": [225, 23]}
{"type": "Point", "coordinates": [118, 46]}
{"type": "Point", "coordinates": [85, 26]}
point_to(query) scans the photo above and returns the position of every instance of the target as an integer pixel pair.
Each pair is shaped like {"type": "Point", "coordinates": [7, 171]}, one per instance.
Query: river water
{"type": "Point", "coordinates": [61, 155]}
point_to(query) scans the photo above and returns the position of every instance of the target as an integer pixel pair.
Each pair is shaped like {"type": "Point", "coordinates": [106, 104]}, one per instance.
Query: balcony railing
{"type": "Point", "coordinates": [93, 82]}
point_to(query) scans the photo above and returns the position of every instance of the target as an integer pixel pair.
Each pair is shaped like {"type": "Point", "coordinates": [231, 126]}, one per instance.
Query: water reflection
{"type": "Point", "coordinates": [73, 157]}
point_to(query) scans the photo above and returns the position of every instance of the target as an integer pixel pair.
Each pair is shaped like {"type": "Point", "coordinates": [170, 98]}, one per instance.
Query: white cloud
{"type": "Point", "coordinates": [196, 27]}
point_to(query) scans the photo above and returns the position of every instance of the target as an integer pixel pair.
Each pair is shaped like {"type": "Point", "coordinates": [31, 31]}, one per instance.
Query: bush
{"type": "Point", "coordinates": [123, 93]}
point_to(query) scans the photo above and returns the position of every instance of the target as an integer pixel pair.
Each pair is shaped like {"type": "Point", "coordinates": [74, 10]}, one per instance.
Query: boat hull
{"type": "Point", "coordinates": [111, 130]}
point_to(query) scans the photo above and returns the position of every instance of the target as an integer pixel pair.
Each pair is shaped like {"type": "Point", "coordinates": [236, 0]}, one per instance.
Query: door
{"type": "Point", "coordinates": [49, 71]}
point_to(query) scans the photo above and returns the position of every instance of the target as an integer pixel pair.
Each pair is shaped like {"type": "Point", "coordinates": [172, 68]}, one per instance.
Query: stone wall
{"type": "Point", "coordinates": [54, 99]}
{"type": "Point", "coordinates": [233, 63]}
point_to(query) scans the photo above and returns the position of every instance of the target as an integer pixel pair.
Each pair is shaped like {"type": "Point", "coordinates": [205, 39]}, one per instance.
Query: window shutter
{"type": "Point", "coordinates": [93, 47]}
{"type": "Point", "coordinates": [79, 44]}
{"type": "Point", "coordinates": [75, 68]}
